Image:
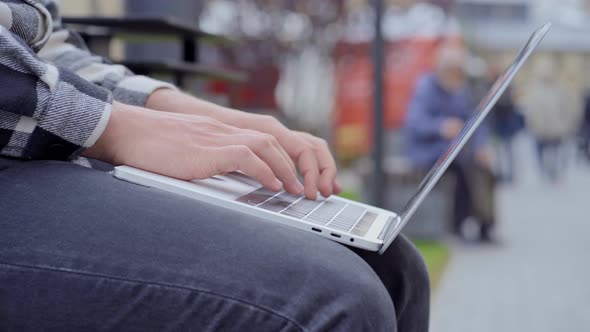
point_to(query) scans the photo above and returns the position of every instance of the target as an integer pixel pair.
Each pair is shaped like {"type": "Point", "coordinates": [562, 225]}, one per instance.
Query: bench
{"type": "Point", "coordinates": [435, 215]}
{"type": "Point", "coordinates": [98, 32]}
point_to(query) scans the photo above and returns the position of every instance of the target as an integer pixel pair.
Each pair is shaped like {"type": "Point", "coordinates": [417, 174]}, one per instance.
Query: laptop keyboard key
{"type": "Point", "coordinates": [256, 197]}
{"type": "Point", "coordinates": [363, 226]}
{"type": "Point", "coordinates": [347, 218]}
{"type": "Point", "coordinates": [323, 214]}
{"type": "Point", "coordinates": [279, 202]}
{"type": "Point", "coordinates": [301, 208]}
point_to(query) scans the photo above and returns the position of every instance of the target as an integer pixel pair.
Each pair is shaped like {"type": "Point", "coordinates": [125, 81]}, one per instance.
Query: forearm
{"type": "Point", "coordinates": [174, 101]}
{"type": "Point", "coordinates": [125, 86]}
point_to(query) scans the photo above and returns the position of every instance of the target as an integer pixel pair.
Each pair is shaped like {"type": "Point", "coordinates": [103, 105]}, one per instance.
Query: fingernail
{"type": "Point", "coordinates": [299, 187]}
{"type": "Point", "coordinates": [277, 184]}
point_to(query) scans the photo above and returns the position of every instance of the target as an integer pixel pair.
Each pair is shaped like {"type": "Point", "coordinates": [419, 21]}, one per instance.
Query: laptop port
{"type": "Point", "coordinates": [335, 235]}
{"type": "Point", "coordinates": [316, 229]}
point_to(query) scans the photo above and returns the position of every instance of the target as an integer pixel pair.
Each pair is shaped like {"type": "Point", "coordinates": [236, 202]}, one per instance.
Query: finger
{"type": "Point", "coordinates": [241, 158]}
{"type": "Point", "coordinates": [308, 166]}
{"type": "Point", "coordinates": [284, 153]}
{"type": "Point", "coordinates": [279, 147]}
{"type": "Point", "coordinates": [326, 181]}
{"type": "Point", "coordinates": [337, 187]}
{"type": "Point", "coordinates": [327, 168]}
{"type": "Point", "coordinates": [286, 156]}
{"type": "Point", "coordinates": [326, 164]}
{"type": "Point", "coordinates": [265, 147]}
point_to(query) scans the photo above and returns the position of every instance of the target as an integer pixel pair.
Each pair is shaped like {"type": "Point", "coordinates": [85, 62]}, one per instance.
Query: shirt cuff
{"type": "Point", "coordinates": [73, 118]}
{"type": "Point", "coordinates": [136, 89]}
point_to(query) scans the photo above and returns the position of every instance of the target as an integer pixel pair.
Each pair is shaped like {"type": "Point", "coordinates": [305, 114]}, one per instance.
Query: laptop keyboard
{"type": "Point", "coordinates": [332, 213]}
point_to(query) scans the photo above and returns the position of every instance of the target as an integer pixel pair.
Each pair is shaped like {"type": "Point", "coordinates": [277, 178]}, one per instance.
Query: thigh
{"type": "Point", "coordinates": [404, 273]}
{"type": "Point", "coordinates": [82, 250]}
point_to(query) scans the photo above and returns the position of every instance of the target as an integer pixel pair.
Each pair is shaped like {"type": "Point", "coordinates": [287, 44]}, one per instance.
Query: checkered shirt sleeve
{"type": "Point", "coordinates": [66, 49]}
{"type": "Point", "coordinates": [46, 111]}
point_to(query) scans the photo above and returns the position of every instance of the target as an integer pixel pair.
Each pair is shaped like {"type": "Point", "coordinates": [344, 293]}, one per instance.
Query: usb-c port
{"type": "Point", "coordinates": [335, 235]}
{"type": "Point", "coordinates": [316, 229]}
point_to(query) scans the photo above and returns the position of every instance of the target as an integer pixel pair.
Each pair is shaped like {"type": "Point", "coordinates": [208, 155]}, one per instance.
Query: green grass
{"type": "Point", "coordinates": [436, 255]}
{"type": "Point", "coordinates": [349, 194]}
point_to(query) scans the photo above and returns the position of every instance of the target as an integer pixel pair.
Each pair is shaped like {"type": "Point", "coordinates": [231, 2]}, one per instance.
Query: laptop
{"type": "Point", "coordinates": [338, 219]}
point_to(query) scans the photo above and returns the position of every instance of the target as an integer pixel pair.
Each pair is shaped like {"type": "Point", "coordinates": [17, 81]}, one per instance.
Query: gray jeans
{"type": "Point", "coordinates": [82, 251]}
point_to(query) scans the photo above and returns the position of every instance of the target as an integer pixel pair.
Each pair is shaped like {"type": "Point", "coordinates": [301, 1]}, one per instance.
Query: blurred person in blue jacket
{"type": "Point", "coordinates": [441, 104]}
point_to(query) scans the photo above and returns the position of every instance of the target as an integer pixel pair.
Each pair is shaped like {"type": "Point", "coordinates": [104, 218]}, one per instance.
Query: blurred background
{"type": "Point", "coordinates": [504, 233]}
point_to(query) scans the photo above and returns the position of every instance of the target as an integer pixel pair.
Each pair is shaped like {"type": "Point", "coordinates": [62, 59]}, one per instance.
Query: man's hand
{"type": "Point", "coordinates": [451, 127]}
{"type": "Point", "coordinates": [192, 147]}
{"type": "Point", "coordinates": [311, 154]}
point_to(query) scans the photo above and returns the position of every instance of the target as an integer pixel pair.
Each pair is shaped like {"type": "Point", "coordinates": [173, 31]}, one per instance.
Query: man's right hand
{"type": "Point", "coordinates": [192, 147]}
{"type": "Point", "coordinates": [451, 127]}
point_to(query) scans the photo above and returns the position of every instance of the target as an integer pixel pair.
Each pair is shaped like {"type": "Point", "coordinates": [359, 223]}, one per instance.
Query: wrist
{"type": "Point", "coordinates": [104, 148]}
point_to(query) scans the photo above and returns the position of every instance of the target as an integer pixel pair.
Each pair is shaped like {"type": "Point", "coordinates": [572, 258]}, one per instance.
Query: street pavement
{"type": "Point", "coordinates": [537, 277]}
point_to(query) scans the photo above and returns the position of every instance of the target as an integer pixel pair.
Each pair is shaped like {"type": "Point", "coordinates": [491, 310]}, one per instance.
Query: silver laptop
{"type": "Point", "coordinates": [352, 223]}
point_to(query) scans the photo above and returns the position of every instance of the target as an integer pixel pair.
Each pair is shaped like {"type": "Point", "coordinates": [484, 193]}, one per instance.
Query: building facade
{"type": "Point", "coordinates": [497, 29]}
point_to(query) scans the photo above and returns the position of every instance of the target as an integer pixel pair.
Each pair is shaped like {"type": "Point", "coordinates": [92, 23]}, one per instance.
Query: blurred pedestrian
{"type": "Point", "coordinates": [441, 104]}
{"type": "Point", "coordinates": [584, 141]}
{"type": "Point", "coordinates": [506, 121]}
{"type": "Point", "coordinates": [553, 115]}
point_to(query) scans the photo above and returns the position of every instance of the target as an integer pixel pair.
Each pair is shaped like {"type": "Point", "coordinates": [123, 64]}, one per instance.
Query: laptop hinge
{"type": "Point", "coordinates": [385, 229]}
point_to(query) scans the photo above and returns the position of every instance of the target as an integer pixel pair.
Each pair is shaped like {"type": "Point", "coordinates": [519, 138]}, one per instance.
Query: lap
{"type": "Point", "coordinates": [81, 240]}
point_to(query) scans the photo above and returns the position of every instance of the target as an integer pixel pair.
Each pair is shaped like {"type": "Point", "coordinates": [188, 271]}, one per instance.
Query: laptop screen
{"type": "Point", "coordinates": [470, 127]}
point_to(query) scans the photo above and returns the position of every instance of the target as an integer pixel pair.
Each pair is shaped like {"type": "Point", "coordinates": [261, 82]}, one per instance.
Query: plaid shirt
{"type": "Point", "coordinates": [55, 96]}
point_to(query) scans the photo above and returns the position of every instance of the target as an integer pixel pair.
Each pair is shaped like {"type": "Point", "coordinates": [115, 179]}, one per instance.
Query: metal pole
{"type": "Point", "coordinates": [378, 105]}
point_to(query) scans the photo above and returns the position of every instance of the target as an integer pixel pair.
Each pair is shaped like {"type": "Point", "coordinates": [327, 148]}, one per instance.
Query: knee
{"type": "Point", "coordinates": [410, 260]}
{"type": "Point", "coordinates": [407, 267]}
{"type": "Point", "coordinates": [347, 295]}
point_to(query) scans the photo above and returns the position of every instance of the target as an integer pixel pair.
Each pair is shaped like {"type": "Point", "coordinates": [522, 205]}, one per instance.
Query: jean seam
{"type": "Point", "coordinates": [163, 285]}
